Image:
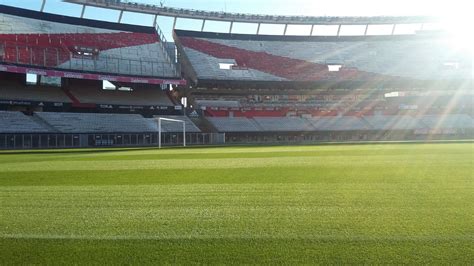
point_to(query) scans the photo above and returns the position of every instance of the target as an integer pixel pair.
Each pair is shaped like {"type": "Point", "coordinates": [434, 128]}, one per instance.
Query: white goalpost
{"type": "Point", "coordinates": [171, 120]}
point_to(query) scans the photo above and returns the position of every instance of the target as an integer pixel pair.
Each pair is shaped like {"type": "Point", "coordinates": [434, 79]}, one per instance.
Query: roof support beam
{"type": "Point", "coordinates": [155, 20]}
{"type": "Point", "coordinates": [174, 22]}
{"type": "Point", "coordinates": [83, 11]}
{"type": "Point", "coordinates": [42, 5]}
{"type": "Point", "coordinates": [230, 27]}
{"type": "Point", "coordinates": [203, 24]}
{"type": "Point", "coordinates": [120, 16]}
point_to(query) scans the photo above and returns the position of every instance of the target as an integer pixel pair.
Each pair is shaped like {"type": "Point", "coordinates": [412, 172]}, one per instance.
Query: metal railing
{"type": "Point", "coordinates": [163, 42]}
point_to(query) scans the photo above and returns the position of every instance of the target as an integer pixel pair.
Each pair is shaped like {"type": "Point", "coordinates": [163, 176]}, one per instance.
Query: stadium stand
{"type": "Point", "coordinates": [297, 58]}
{"type": "Point", "coordinates": [54, 41]}
{"type": "Point", "coordinates": [17, 122]}
{"type": "Point", "coordinates": [253, 87]}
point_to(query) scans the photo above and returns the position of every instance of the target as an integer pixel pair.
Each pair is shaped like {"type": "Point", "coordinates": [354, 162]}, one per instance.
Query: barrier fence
{"type": "Point", "coordinates": [56, 141]}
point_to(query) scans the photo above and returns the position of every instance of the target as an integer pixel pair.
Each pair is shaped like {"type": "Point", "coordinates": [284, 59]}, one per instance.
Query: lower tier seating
{"type": "Point", "coordinates": [285, 124]}
{"type": "Point", "coordinates": [234, 124]}
{"type": "Point", "coordinates": [167, 126]}
{"type": "Point", "coordinates": [338, 123]}
{"type": "Point", "coordinates": [341, 123]}
{"type": "Point", "coordinates": [44, 122]}
{"type": "Point", "coordinates": [448, 121]}
{"type": "Point", "coordinates": [394, 122]}
{"type": "Point", "coordinates": [96, 123]}
{"type": "Point", "coordinates": [17, 122]}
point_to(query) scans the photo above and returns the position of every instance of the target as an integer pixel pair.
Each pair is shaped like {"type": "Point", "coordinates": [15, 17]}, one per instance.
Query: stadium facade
{"type": "Point", "coordinates": [234, 88]}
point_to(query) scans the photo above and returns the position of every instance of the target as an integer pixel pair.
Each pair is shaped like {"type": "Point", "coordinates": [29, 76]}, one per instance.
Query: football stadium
{"type": "Point", "coordinates": [139, 132]}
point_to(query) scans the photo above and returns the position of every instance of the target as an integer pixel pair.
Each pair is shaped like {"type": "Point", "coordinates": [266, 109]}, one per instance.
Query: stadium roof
{"type": "Point", "coordinates": [251, 18]}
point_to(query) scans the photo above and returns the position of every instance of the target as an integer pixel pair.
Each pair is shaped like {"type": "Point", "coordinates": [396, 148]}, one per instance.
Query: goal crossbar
{"type": "Point", "coordinates": [171, 120]}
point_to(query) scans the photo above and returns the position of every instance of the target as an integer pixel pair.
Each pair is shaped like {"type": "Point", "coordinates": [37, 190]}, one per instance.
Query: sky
{"type": "Point", "coordinates": [455, 11]}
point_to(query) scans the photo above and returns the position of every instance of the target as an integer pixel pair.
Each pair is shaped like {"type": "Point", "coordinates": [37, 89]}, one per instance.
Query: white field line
{"type": "Point", "coordinates": [243, 237]}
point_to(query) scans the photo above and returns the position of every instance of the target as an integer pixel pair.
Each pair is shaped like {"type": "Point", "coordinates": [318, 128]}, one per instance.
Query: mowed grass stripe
{"type": "Point", "coordinates": [227, 163]}
{"type": "Point", "coordinates": [234, 251]}
{"type": "Point", "coordinates": [233, 211]}
{"type": "Point", "coordinates": [215, 153]}
{"type": "Point", "coordinates": [412, 176]}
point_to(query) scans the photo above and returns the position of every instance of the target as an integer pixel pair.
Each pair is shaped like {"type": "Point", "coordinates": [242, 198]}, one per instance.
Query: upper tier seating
{"type": "Point", "coordinates": [47, 40]}
{"type": "Point", "coordinates": [17, 122]}
{"type": "Point", "coordinates": [292, 58]}
{"type": "Point", "coordinates": [96, 123]}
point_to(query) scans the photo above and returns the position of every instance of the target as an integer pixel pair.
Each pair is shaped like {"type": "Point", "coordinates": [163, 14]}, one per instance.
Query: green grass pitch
{"type": "Point", "coordinates": [330, 204]}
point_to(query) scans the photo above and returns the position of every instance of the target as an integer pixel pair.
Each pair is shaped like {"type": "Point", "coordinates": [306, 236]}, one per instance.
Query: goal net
{"type": "Point", "coordinates": [160, 128]}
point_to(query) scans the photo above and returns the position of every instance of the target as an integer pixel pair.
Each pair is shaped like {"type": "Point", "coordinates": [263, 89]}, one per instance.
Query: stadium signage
{"type": "Point", "coordinates": [37, 72]}
{"type": "Point", "coordinates": [72, 75]}
{"type": "Point", "coordinates": [90, 76]}
{"type": "Point", "coordinates": [140, 81]}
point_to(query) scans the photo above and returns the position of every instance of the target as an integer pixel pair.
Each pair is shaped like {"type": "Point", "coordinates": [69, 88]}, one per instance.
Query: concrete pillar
{"type": "Point", "coordinates": [286, 27]}
{"type": "Point", "coordinates": [312, 30]}
{"type": "Point", "coordinates": [258, 29]}
{"type": "Point", "coordinates": [203, 24]}
{"type": "Point", "coordinates": [230, 27]}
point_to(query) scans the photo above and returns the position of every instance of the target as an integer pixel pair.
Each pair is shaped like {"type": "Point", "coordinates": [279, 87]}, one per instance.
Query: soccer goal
{"type": "Point", "coordinates": [173, 121]}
